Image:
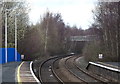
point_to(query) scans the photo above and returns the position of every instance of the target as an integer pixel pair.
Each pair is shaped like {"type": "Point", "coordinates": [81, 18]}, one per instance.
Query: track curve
{"type": "Point", "coordinates": [46, 74]}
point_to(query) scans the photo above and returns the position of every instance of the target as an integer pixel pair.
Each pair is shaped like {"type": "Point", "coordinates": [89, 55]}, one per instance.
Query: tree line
{"type": "Point", "coordinates": [106, 19]}
{"type": "Point", "coordinates": [51, 36]}
{"type": "Point", "coordinates": [12, 9]}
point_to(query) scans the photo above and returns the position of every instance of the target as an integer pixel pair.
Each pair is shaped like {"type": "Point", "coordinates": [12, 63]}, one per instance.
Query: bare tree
{"type": "Point", "coordinates": [106, 17]}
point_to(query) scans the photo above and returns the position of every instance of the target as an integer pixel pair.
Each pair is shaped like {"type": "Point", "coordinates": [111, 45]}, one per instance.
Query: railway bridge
{"type": "Point", "coordinates": [77, 43]}
{"type": "Point", "coordinates": [83, 38]}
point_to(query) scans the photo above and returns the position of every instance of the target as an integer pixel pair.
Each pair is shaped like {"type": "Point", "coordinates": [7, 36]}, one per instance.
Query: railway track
{"type": "Point", "coordinates": [46, 74]}
{"type": "Point", "coordinates": [99, 78]}
{"type": "Point", "coordinates": [82, 75]}
{"type": "Point", "coordinates": [62, 70]}
{"type": "Point", "coordinates": [63, 73]}
{"type": "Point", "coordinates": [55, 70]}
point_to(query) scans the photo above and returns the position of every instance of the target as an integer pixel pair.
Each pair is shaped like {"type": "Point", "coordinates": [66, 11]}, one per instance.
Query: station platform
{"type": "Point", "coordinates": [107, 70]}
{"type": "Point", "coordinates": [18, 72]}
{"type": "Point", "coordinates": [25, 73]}
{"type": "Point", "coordinates": [115, 65]}
{"type": "Point", "coordinates": [9, 72]}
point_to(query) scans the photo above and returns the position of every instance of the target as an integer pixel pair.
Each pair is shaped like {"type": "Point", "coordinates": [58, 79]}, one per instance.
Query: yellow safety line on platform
{"type": "Point", "coordinates": [18, 73]}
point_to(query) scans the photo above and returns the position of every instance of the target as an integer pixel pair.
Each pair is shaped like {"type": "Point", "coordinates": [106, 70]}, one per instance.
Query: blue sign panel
{"type": "Point", "coordinates": [10, 55]}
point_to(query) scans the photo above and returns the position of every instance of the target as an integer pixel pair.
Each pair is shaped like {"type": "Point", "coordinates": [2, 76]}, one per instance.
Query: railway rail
{"type": "Point", "coordinates": [55, 70]}
{"type": "Point", "coordinates": [63, 73]}
{"type": "Point", "coordinates": [101, 73]}
{"type": "Point", "coordinates": [45, 72]}
{"type": "Point", "coordinates": [82, 75]}
{"type": "Point", "coordinates": [74, 70]}
{"type": "Point", "coordinates": [61, 70]}
{"type": "Point", "coordinates": [109, 73]}
{"type": "Point", "coordinates": [101, 79]}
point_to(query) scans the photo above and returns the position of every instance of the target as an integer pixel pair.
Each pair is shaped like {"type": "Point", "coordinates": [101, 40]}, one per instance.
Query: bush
{"type": "Point", "coordinates": [91, 51]}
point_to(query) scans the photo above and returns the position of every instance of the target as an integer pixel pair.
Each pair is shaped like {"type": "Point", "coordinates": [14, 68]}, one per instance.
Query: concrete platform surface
{"type": "Point", "coordinates": [25, 73]}
{"type": "Point", "coordinates": [117, 64]}
{"type": "Point", "coordinates": [9, 71]}
{"type": "Point", "coordinates": [0, 73]}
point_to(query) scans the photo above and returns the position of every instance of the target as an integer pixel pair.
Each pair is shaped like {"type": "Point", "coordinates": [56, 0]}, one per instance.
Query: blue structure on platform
{"type": "Point", "coordinates": [10, 55]}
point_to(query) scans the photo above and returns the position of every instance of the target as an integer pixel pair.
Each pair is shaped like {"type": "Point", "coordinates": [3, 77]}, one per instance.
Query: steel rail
{"type": "Point", "coordinates": [72, 72]}
{"type": "Point", "coordinates": [40, 78]}
{"type": "Point", "coordinates": [59, 79]}
{"type": "Point", "coordinates": [103, 80]}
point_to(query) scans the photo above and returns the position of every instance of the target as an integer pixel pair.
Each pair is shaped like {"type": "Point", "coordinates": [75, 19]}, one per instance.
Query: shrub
{"type": "Point", "coordinates": [91, 51]}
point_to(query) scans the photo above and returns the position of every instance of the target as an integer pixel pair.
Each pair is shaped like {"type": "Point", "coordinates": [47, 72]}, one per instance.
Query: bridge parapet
{"type": "Point", "coordinates": [83, 38]}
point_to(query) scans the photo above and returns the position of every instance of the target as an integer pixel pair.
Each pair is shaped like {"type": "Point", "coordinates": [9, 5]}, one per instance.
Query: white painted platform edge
{"type": "Point", "coordinates": [103, 66]}
{"type": "Point", "coordinates": [33, 73]}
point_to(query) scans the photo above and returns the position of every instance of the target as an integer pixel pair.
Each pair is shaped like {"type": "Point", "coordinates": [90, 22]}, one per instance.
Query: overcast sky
{"type": "Point", "coordinates": [74, 12]}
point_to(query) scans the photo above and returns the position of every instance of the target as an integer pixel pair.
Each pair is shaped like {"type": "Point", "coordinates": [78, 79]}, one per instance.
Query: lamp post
{"type": "Point", "coordinates": [6, 36]}
{"type": "Point", "coordinates": [15, 37]}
